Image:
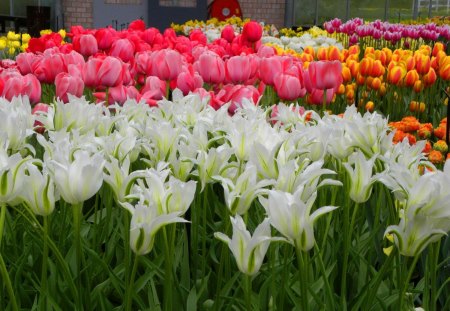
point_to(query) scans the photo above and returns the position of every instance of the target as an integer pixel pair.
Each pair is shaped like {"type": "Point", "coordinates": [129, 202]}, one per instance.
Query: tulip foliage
{"type": "Point", "coordinates": [184, 206]}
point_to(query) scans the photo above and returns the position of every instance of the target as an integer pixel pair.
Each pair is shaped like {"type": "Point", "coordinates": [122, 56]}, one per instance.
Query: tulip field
{"type": "Point", "coordinates": [226, 166]}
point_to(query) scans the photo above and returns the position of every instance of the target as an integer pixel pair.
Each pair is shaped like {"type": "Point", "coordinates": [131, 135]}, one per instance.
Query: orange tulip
{"type": "Point", "coordinates": [438, 46]}
{"type": "Point", "coordinates": [369, 50]}
{"type": "Point", "coordinates": [376, 84]}
{"type": "Point", "coordinates": [434, 63]}
{"type": "Point", "coordinates": [360, 79]}
{"type": "Point", "coordinates": [410, 63]}
{"type": "Point", "coordinates": [382, 90]}
{"type": "Point", "coordinates": [354, 68]}
{"type": "Point", "coordinates": [306, 57]}
{"type": "Point", "coordinates": [333, 53]}
{"type": "Point", "coordinates": [341, 89]}
{"type": "Point", "coordinates": [377, 69]}
{"type": "Point", "coordinates": [418, 86]}
{"type": "Point", "coordinates": [309, 50]}
{"type": "Point", "coordinates": [370, 106]}
{"type": "Point", "coordinates": [426, 49]}
{"type": "Point", "coordinates": [416, 106]}
{"type": "Point", "coordinates": [411, 77]}
{"type": "Point", "coordinates": [444, 72]}
{"type": "Point", "coordinates": [346, 74]}
{"type": "Point", "coordinates": [430, 77]}
{"type": "Point", "coordinates": [365, 66]}
{"type": "Point", "coordinates": [381, 56]}
{"type": "Point", "coordinates": [350, 94]}
{"type": "Point", "coordinates": [396, 75]}
{"type": "Point", "coordinates": [354, 49]}
{"type": "Point", "coordinates": [322, 53]}
{"type": "Point", "coordinates": [388, 53]}
{"type": "Point", "coordinates": [423, 64]}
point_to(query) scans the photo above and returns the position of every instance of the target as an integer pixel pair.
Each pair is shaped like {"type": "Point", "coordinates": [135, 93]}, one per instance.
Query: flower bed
{"type": "Point", "coordinates": [173, 185]}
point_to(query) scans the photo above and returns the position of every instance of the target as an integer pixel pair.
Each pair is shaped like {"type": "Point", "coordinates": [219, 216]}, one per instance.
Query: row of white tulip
{"type": "Point", "coordinates": [153, 158]}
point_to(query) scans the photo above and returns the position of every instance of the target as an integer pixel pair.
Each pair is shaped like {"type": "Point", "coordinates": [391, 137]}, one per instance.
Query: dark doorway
{"type": "Point", "coordinates": [164, 12]}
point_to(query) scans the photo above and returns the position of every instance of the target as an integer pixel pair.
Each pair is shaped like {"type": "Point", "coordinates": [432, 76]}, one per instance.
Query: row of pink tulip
{"type": "Point", "coordinates": [117, 71]}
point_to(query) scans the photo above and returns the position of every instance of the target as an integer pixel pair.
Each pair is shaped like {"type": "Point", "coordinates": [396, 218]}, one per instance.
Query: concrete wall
{"type": "Point", "coordinates": [267, 11]}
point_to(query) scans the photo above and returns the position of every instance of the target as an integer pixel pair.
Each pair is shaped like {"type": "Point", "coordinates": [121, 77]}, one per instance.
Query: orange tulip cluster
{"type": "Point", "coordinates": [385, 69]}
{"type": "Point", "coordinates": [413, 130]}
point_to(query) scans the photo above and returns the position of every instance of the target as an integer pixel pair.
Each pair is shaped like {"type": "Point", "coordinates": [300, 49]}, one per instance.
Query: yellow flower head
{"type": "Point", "coordinates": [15, 44]}
{"type": "Point", "coordinates": [12, 36]}
{"type": "Point", "coordinates": [24, 47]}
{"type": "Point", "coordinates": [11, 51]}
{"type": "Point", "coordinates": [2, 43]}
{"type": "Point", "coordinates": [25, 38]}
{"type": "Point", "coordinates": [62, 33]}
{"type": "Point", "coordinates": [45, 32]}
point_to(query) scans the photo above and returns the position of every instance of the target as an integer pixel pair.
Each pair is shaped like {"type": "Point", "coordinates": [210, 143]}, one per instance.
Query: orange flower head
{"type": "Point", "coordinates": [381, 56]}
{"type": "Point", "coordinates": [334, 53]}
{"type": "Point", "coordinates": [441, 146]}
{"type": "Point", "coordinates": [346, 74]}
{"type": "Point", "coordinates": [418, 86]}
{"type": "Point", "coordinates": [430, 77]}
{"type": "Point", "coordinates": [365, 66]}
{"type": "Point", "coordinates": [444, 72]}
{"type": "Point", "coordinates": [341, 89]}
{"type": "Point", "coordinates": [438, 46]}
{"type": "Point", "coordinates": [377, 69]}
{"type": "Point", "coordinates": [424, 133]}
{"type": "Point", "coordinates": [322, 53]}
{"type": "Point", "coordinates": [354, 49]}
{"type": "Point", "coordinates": [370, 106]}
{"type": "Point", "coordinates": [360, 80]}
{"type": "Point", "coordinates": [410, 63]}
{"type": "Point", "coordinates": [396, 74]}
{"type": "Point", "coordinates": [439, 132]}
{"type": "Point", "coordinates": [427, 147]}
{"type": "Point", "coordinates": [416, 106]}
{"type": "Point", "coordinates": [369, 50]}
{"type": "Point", "coordinates": [411, 77]}
{"type": "Point", "coordinates": [309, 50]}
{"type": "Point", "coordinates": [354, 68]}
{"type": "Point", "coordinates": [388, 53]}
{"type": "Point", "coordinates": [376, 84]}
{"type": "Point", "coordinates": [423, 64]}
{"type": "Point", "coordinates": [436, 157]}
{"type": "Point", "coordinates": [443, 60]}
{"type": "Point", "coordinates": [350, 94]}
{"type": "Point", "coordinates": [382, 90]}
{"type": "Point", "coordinates": [306, 57]}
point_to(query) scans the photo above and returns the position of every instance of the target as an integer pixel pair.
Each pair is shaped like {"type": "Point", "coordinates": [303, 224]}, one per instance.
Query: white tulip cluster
{"type": "Point", "coordinates": [152, 158]}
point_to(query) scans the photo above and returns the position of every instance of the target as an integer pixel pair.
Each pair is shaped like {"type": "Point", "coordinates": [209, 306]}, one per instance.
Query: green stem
{"type": "Point", "coordinates": [432, 268]}
{"type": "Point", "coordinates": [303, 277]}
{"type": "Point", "coordinates": [3, 270]}
{"type": "Point", "coordinates": [77, 210]}
{"type": "Point", "coordinates": [248, 291]}
{"type": "Point", "coordinates": [328, 290]}
{"type": "Point", "coordinates": [405, 282]}
{"type": "Point", "coordinates": [127, 249]}
{"type": "Point", "coordinates": [168, 288]}
{"type": "Point", "coordinates": [324, 103]}
{"type": "Point", "coordinates": [44, 293]}
{"type": "Point", "coordinates": [129, 289]}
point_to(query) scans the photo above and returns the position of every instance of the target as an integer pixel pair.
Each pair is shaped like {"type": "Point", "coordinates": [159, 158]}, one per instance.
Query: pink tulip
{"type": "Point", "coordinates": [47, 67]}
{"type": "Point", "coordinates": [238, 69]}
{"type": "Point", "coordinates": [103, 72]}
{"type": "Point", "coordinates": [266, 51]}
{"type": "Point", "coordinates": [32, 88]}
{"type": "Point", "coordinates": [123, 49]}
{"type": "Point", "coordinates": [118, 94]}
{"type": "Point", "coordinates": [137, 25]}
{"type": "Point", "coordinates": [67, 84]}
{"type": "Point", "coordinates": [73, 58]}
{"type": "Point", "coordinates": [236, 94]}
{"type": "Point", "coordinates": [289, 87]}
{"type": "Point", "coordinates": [269, 67]}
{"type": "Point", "coordinates": [156, 86]}
{"type": "Point", "coordinates": [25, 62]}
{"type": "Point", "coordinates": [211, 67]}
{"type": "Point", "coordinates": [85, 44]}
{"type": "Point", "coordinates": [188, 80]}
{"type": "Point", "coordinates": [325, 74]}
{"type": "Point", "coordinates": [316, 97]}
{"type": "Point", "coordinates": [166, 64]}
{"type": "Point", "coordinates": [12, 87]}
{"type": "Point", "coordinates": [198, 36]}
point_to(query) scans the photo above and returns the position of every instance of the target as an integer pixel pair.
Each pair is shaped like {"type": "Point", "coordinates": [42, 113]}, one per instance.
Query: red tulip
{"type": "Point", "coordinates": [150, 35]}
{"type": "Point", "coordinates": [67, 84]}
{"type": "Point", "coordinates": [325, 74]}
{"type": "Point", "coordinates": [198, 36]}
{"type": "Point", "coordinates": [32, 88]}
{"type": "Point", "coordinates": [316, 97]}
{"type": "Point", "coordinates": [228, 33]}
{"type": "Point", "coordinates": [252, 31]}
{"type": "Point", "coordinates": [137, 25]}
{"type": "Point", "coordinates": [238, 69]}
{"type": "Point", "coordinates": [211, 67]}
{"type": "Point", "coordinates": [123, 49]}
{"type": "Point", "coordinates": [85, 44]}
{"type": "Point", "coordinates": [105, 37]}
{"type": "Point", "coordinates": [166, 64]}
{"type": "Point", "coordinates": [289, 87]}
